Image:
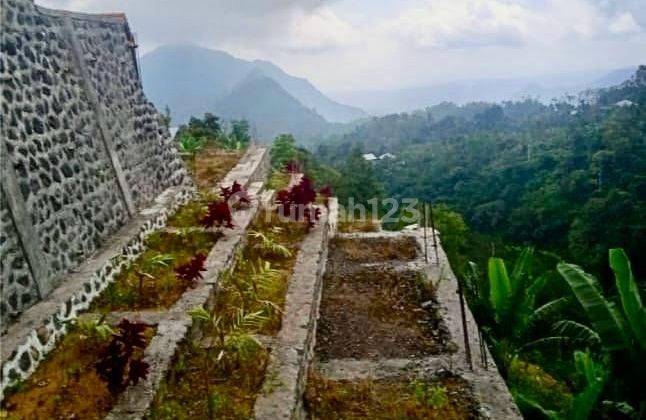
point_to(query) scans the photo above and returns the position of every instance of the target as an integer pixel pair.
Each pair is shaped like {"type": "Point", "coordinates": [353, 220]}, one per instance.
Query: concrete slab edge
{"type": "Point", "coordinates": [286, 375]}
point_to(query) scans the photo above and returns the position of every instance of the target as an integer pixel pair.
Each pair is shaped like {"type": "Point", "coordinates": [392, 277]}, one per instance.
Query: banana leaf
{"type": "Point", "coordinates": [604, 316]}
{"type": "Point", "coordinates": [629, 294]}
{"type": "Point", "coordinates": [500, 288]}
{"type": "Point", "coordinates": [595, 375]}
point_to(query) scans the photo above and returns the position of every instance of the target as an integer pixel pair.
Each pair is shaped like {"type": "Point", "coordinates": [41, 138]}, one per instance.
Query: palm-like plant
{"type": "Point", "coordinates": [190, 145]}
{"type": "Point", "coordinates": [228, 338]}
{"type": "Point", "coordinates": [268, 245]}
{"type": "Point", "coordinates": [620, 327]}
{"type": "Point", "coordinates": [144, 268]}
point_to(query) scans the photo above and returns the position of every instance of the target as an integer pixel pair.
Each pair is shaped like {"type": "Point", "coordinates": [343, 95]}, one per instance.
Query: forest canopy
{"type": "Point", "coordinates": [569, 176]}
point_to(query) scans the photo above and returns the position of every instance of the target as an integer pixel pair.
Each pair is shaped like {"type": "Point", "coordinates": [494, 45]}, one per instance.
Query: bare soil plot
{"type": "Point", "coordinates": [370, 312]}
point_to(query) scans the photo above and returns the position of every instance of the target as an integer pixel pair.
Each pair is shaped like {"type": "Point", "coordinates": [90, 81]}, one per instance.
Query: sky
{"type": "Point", "coordinates": [345, 45]}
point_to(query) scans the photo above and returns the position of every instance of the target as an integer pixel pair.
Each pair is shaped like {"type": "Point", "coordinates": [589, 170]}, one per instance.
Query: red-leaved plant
{"type": "Point", "coordinates": [218, 214]}
{"type": "Point", "coordinates": [238, 193]}
{"type": "Point", "coordinates": [296, 202]}
{"type": "Point", "coordinates": [119, 365]}
{"type": "Point", "coordinates": [192, 270]}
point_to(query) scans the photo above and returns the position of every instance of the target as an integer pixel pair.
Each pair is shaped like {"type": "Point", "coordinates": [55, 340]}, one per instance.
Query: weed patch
{"type": "Point", "coordinates": [151, 281]}
{"type": "Point", "coordinates": [69, 384]}
{"type": "Point", "coordinates": [212, 164]}
{"type": "Point", "coordinates": [447, 398]}
{"type": "Point", "coordinates": [369, 250]}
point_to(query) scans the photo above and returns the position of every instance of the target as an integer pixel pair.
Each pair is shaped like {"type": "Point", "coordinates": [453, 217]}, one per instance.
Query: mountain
{"type": "Point", "coordinates": [310, 96]}
{"type": "Point", "coordinates": [544, 87]}
{"type": "Point", "coordinates": [270, 108]}
{"type": "Point", "coordinates": [204, 80]}
{"type": "Point", "coordinates": [195, 86]}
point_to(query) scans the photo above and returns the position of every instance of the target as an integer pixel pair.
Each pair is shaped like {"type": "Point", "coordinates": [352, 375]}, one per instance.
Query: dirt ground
{"type": "Point", "coordinates": [212, 164]}
{"type": "Point", "coordinates": [66, 385]}
{"type": "Point", "coordinates": [369, 312]}
{"type": "Point", "coordinates": [370, 250]}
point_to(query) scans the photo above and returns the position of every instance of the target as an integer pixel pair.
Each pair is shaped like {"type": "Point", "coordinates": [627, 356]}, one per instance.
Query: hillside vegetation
{"type": "Point", "coordinates": [569, 177]}
{"type": "Point", "coordinates": [542, 211]}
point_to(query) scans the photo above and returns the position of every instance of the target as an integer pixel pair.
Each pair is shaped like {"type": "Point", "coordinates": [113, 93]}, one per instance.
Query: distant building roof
{"type": "Point", "coordinates": [624, 102]}
{"type": "Point", "coordinates": [369, 156]}
{"type": "Point", "coordinates": [387, 156]}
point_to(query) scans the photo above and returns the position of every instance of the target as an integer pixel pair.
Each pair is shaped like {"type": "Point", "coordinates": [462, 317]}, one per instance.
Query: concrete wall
{"type": "Point", "coordinates": [82, 148]}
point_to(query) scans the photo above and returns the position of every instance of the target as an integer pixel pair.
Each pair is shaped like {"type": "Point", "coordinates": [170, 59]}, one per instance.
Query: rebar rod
{"type": "Point", "coordinates": [437, 258]}
{"type": "Point", "coordinates": [467, 346]}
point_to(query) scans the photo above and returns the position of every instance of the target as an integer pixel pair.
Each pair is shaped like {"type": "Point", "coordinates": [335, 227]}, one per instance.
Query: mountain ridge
{"type": "Point", "coordinates": [262, 101]}
{"type": "Point", "coordinates": [204, 80]}
{"type": "Point", "coordinates": [545, 87]}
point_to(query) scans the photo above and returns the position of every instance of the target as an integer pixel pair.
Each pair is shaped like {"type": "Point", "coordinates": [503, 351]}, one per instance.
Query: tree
{"type": "Point", "coordinates": [190, 145]}
{"type": "Point", "coordinates": [358, 180]}
{"type": "Point", "coordinates": [207, 128]}
{"type": "Point", "coordinates": [239, 134]}
{"type": "Point", "coordinates": [166, 119]}
{"type": "Point", "coordinates": [283, 150]}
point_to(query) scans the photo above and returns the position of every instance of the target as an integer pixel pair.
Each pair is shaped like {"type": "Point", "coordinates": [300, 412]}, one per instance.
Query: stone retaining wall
{"type": "Point", "coordinates": [36, 332]}
{"type": "Point", "coordinates": [82, 149]}
{"type": "Point", "coordinates": [41, 326]}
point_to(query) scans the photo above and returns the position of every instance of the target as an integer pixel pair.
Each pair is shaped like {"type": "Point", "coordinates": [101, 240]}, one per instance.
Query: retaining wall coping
{"type": "Point", "coordinates": [490, 389]}
{"type": "Point", "coordinates": [286, 375]}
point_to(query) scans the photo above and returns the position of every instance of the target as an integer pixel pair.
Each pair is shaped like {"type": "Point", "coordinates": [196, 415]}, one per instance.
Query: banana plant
{"type": "Point", "coordinates": [513, 297]}
{"type": "Point", "coordinates": [594, 376]}
{"type": "Point", "coordinates": [620, 327]}
{"type": "Point", "coordinates": [190, 145]}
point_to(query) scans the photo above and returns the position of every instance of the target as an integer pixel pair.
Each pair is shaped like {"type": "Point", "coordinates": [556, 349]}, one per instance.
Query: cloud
{"type": "Point", "coordinates": [503, 23]}
{"type": "Point", "coordinates": [212, 23]}
{"type": "Point", "coordinates": [460, 23]}
{"type": "Point", "coordinates": [317, 31]}
{"type": "Point", "coordinates": [624, 23]}
{"type": "Point", "coordinates": [351, 44]}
